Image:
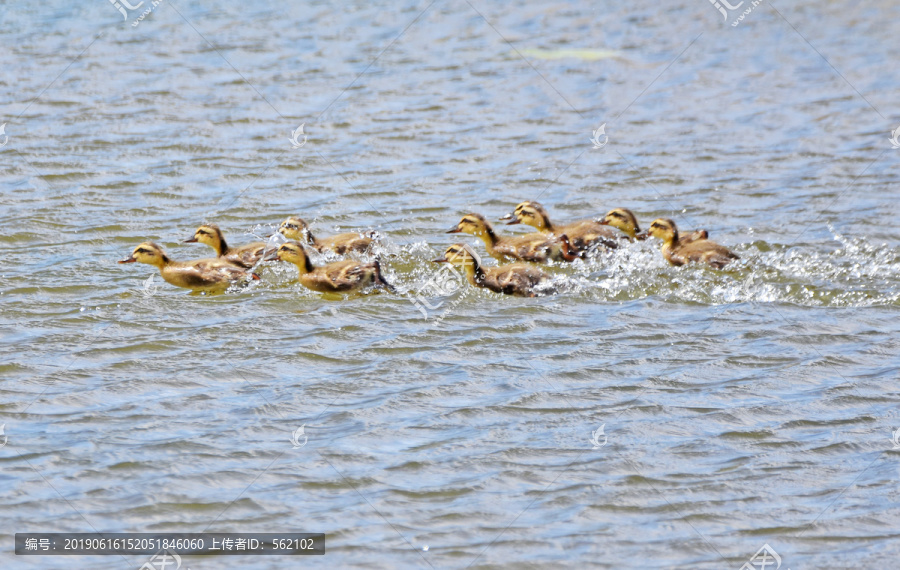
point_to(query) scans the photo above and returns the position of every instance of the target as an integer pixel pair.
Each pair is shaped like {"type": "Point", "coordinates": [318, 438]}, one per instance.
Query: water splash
{"type": "Point", "coordinates": [857, 274]}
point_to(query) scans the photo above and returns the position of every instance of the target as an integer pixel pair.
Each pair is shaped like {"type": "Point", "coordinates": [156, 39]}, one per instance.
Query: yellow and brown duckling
{"type": "Point", "coordinates": [338, 277]}
{"type": "Point", "coordinates": [534, 247]}
{"type": "Point", "coordinates": [518, 279]}
{"type": "Point", "coordinates": [583, 235]}
{"type": "Point", "coordinates": [678, 252]}
{"type": "Point", "coordinates": [296, 229]}
{"type": "Point", "coordinates": [213, 275]}
{"type": "Point", "coordinates": [245, 256]}
{"type": "Point", "coordinates": [624, 219]}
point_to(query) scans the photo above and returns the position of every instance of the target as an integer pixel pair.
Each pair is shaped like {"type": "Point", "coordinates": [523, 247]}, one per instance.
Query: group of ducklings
{"type": "Point", "coordinates": [550, 243]}
{"type": "Point", "coordinates": [566, 243]}
{"type": "Point", "coordinates": [235, 264]}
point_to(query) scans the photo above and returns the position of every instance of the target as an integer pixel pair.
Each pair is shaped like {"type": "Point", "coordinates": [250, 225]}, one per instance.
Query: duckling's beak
{"type": "Point", "coordinates": [272, 256]}
{"type": "Point", "coordinates": [455, 230]}
{"type": "Point", "coordinates": [642, 236]}
{"type": "Point", "coordinates": [510, 219]}
{"type": "Point", "coordinates": [129, 260]}
{"type": "Point", "coordinates": [441, 260]}
{"type": "Point", "coordinates": [603, 222]}
{"type": "Point", "coordinates": [191, 240]}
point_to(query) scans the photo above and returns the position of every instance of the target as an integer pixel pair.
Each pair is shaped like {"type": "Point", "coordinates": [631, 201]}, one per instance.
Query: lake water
{"type": "Point", "coordinates": [739, 408]}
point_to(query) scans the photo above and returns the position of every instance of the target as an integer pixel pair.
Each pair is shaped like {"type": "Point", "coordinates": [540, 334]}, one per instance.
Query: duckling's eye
{"type": "Point", "coordinates": [291, 226]}
{"type": "Point", "coordinates": [142, 250]}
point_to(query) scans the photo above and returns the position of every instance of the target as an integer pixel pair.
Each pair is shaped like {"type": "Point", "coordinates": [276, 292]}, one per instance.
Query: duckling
{"type": "Point", "coordinates": [679, 253]}
{"type": "Point", "coordinates": [625, 220]}
{"type": "Point", "coordinates": [244, 256]}
{"type": "Point", "coordinates": [534, 247]}
{"type": "Point", "coordinates": [584, 234]}
{"type": "Point", "coordinates": [517, 279]}
{"type": "Point", "coordinates": [338, 277]}
{"type": "Point", "coordinates": [213, 275]}
{"type": "Point", "coordinates": [296, 229]}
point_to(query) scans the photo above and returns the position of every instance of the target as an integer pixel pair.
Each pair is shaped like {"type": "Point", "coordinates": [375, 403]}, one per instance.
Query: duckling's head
{"type": "Point", "coordinates": [664, 229]}
{"type": "Point", "coordinates": [149, 253]}
{"type": "Point", "coordinates": [294, 228]}
{"type": "Point", "coordinates": [294, 253]}
{"type": "Point", "coordinates": [210, 234]}
{"type": "Point", "coordinates": [474, 224]}
{"type": "Point", "coordinates": [530, 213]}
{"type": "Point", "coordinates": [460, 255]}
{"type": "Point", "coordinates": [622, 219]}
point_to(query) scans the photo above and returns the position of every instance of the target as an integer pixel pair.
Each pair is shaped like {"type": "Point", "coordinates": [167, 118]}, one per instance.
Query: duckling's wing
{"type": "Point", "coordinates": [517, 279]}
{"type": "Point", "coordinates": [588, 233]}
{"type": "Point", "coordinates": [345, 243]}
{"type": "Point", "coordinates": [204, 272]}
{"type": "Point", "coordinates": [246, 256]}
{"type": "Point", "coordinates": [362, 244]}
{"type": "Point", "coordinates": [506, 248]}
{"type": "Point", "coordinates": [720, 257]}
{"type": "Point", "coordinates": [343, 275]}
{"type": "Point", "coordinates": [533, 247]}
{"type": "Point", "coordinates": [709, 252]}
{"type": "Point", "coordinates": [252, 252]}
{"type": "Point", "coordinates": [676, 256]}
{"type": "Point", "coordinates": [218, 269]}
